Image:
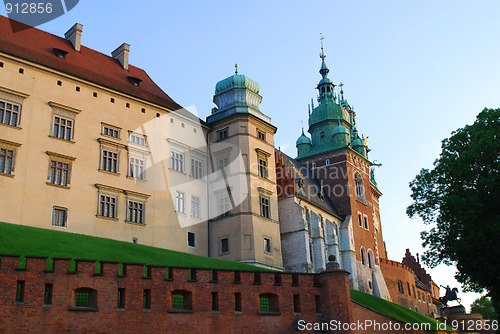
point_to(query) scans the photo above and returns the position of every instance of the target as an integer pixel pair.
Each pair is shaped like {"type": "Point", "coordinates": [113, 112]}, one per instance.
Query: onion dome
{"type": "Point", "coordinates": [303, 139]}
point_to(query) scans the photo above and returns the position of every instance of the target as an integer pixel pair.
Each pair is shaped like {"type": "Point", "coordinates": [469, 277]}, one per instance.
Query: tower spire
{"type": "Point", "coordinates": [236, 68]}
{"type": "Point", "coordinates": [324, 69]}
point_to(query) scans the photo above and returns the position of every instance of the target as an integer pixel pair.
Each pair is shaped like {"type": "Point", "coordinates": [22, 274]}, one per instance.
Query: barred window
{"type": "Point", "coordinates": [265, 303]}
{"type": "Point", "coordinates": [9, 113]}
{"type": "Point", "coordinates": [135, 212]}
{"type": "Point", "coordinates": [181, 300]}
{"type": "Point", "coordinates": [59, 216]}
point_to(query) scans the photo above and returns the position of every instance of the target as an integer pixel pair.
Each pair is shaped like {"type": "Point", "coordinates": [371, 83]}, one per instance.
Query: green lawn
{"type": "Point", "coordinates": [392, 310]}
{"type": "Point", "coordinates": [24, 240]}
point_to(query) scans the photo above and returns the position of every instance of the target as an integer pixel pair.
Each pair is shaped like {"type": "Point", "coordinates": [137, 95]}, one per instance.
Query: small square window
{"type": "Point", "coordinates": [95, 94]}
{"type": "Point", "coordinates": [127, 105]}
{"type": "Point", "coordinates": [112, 100]}
{"type": "Point", "coordinates": [134, 240]}
{"type": "Point", "coordinates": [223, 245]}
{"type": "Point", "coordinates": [222, 134]}
{"type": "Point", "coordinates": [182, 125]}
{"type": "Point", "coordinates": [157, 114]}
{"type": "Point", "coordinates": [171, 120]}
{"type": "Point", "coordinates": [21, 70]}
{"type": "Point", "coordinates": [267, 245]}
{"type": "Point", "coordinates": [143, 110]}
{"type": "Point", "coordinates": [1, 64]}
{"type": "Point", "coordinates": [261, 135]}
{"type": "Point", "coordinates": [191, 238]}
{"type": "Point", "coordinates": [59, 216]}
{"type": "Point", "coordinates": [194, 130]}
{"type": "Point", "coordinates": [59, 82]}
{"type": "Point", "coordinates": [77, 88]}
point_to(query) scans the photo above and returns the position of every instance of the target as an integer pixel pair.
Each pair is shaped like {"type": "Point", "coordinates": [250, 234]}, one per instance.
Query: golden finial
{"type": "Point", "coordinates": [236, 68]}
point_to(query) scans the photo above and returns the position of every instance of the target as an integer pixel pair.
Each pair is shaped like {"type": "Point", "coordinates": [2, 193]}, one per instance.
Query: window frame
{"type": "Point", "coordinates": [113, 148]}
{"type": "Point", "coordinates": [64, 113]}
{"type": "Point", "coordinates": [112, 193]}
{"type": "Point", "coordinates": [221, 244]}
{"type": "Point", "coordinates": [177, 161]}
{"type": "Point", "coordinates": [267, 241]}
{"type": "Point", "coordinates": [193, 233]}
{"type": "Point", "coordinates": [261, 135]}
{"type": "Point", "coordinates": [65, 218]}
{"type": "Point", "coordinates": [196, 168]}
{"type": "Point", "coordinates": [180, 198]}
{"type": "Point", "coordinates": [106, 127]}
{"type": "Point", "coordinates": [359, 187]}
{"type": "Point", "coordinates": [9, 146]}
{"type": "Point", "coordinates": [265, 208]}
{"type": "Point", "coordinates": [15, 98]}
{"type": "Point", "coordinates": [139, 200]}
{"type": "Point", "coordinates": [141, 137]}
{"type": "Point", "coordinates": [52, 178]}
{"type": "Point", "coordinates": [195, 206]}
{"type": "Point", "coordinates": [222, 133]}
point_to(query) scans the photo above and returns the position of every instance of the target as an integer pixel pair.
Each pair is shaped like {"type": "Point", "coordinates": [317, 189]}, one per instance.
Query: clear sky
{"type": "Point", "coordinates": [413, 70]}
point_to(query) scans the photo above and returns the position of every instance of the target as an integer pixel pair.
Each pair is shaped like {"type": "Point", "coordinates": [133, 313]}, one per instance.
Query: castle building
{"type": "Point", "coordinates": [90, 144]}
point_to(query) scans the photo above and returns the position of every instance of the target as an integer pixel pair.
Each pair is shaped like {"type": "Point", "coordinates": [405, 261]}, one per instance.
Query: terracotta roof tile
{"type": "Point", "coordinates": [37, 46]}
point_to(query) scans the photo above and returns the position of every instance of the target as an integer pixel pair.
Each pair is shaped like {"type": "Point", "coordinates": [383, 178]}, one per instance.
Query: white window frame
{"type": "Point", "coordinates": [180, 202]}
{"type": "Point", "coordinates": [195, 206]}
{"type": "Point", "coordinates": [66, 214]}
{"type": "Point", "coordinates": [196, 168]}
{"type": "Point", "coordinates": [177, 161]}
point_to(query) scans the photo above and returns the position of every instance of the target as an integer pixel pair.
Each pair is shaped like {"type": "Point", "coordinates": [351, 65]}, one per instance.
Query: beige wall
{"type": "Point", "coordinates": [26, 197]}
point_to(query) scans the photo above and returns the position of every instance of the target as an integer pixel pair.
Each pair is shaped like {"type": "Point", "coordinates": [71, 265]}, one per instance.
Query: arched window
{"type": "Point", "coordinates": [322, 134]}
{"type": "Point", "coordinates": [269, 302]}
{"type": "Point", "coordinates": [313, 165]}
{"type": "Point", "coordinates": [327, 162]}
{"type": "Point", "coordinates": [181, 300]}
{"type": "Point", "coordinates": [360, 189]}
{"type": "Point", "coordinates": [363, 256]}
{"type": "Point", "coordinates": [371, 259]}
{"type": "Point", "coordinates": [400, 287]}
{"type": "Point", "coordinates": [409, 290]}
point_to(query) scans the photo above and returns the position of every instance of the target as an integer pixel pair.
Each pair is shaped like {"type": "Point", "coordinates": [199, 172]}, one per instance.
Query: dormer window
{"type": "Point", "coordinates": [60, 53]}
{"type": "Point", "coordinates": [135, 81]}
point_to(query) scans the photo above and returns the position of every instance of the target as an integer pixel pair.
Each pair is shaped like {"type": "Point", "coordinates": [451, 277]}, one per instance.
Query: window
{"type": "Point", "coordinates": [360, 189]}
{"type": "Point", "coordinates": [179, 202]}
{"type": "Point", "coordinates": [222, 134]}
{"type": "Point", "coordinates": [264, 303]}
{"type": "Point", "coordinates": [7, 156]}
{"type": "Point", "coordinates": [322, 135]}
{"type": "Point", "coordinates": [146, 299]}
{"type": "Point", "coordinates": [59, 173]}
{"type": "Point", "coordinates": [110, 130]}
{"type": "Point", "coordinates": [63, 128]}
{"type": "Point", "coordinates": [360, 220]}
{"type": "Point", "coordinates": [195, 206]}
{"type": "Point", "coordinates": [136, 168]}
{"type": "Point", "coordinates": [418, 295]}
{"type": "Point", "coordinates": [400, 287]}
{"type": "Point", "coordinates": [135, 212]}
{"type": "Point", "coordinates": [196, 168]}
{"type": "Point", "coordinates": [296, 303]}
{"type": "Point", "coordinates": [47, 295]}
{"type": "Point", "coordinates": [107, 201]}
{"type": "Point", "coordinates": [10, 113]}
{"type": "Point", "coordinates": [177, 161]}
{"type": "Point", "coordinates": [313, 166]}
{"type": "Point", "coordinates": [237, 302]}
{"type": "Point", "coordinates": [371, 259]}
{"type": "Point", "coordinates": [20, 291]}
{"type": "Point", "coordinates": [264, 206]}
{"type": "Point", "coordinates": [136, 138]}
{"type": "Point", "coordinates": [263, 167]}
{"type": "Point", "coordinates": [222, 167]}
{"type": "Point", "coordinates": [181, 300]}
{"type": "Point", "coordinates": [63, 121]}
{"type": "Point", "coordinates": [59, 216]}
{"type": "Point", "coordinates": [365, 219]}
{"type": "Point", "coordinates": [224, 206]}
{"type": "Point", "coordinates": [363, 256]}
{"type": "Point", "coordinates": [261, 135]}
{"type": "Point", "coordinates": [120, 300]}
{"type": "Point", "coordinates": [191, 236]}
{"type": "Point", "coordinates": [109, 161]}
{"type": "Point", "coordinates": [224, 245]}
{"type": "Point", "coordinates": [86, 297]}
{"type": "Point", "coordinates": [327, 162]}
{"type": "Point", "coordinates": [317, 300]}
{"type": "Point", "coordinates": [409, 290]}
{"type": "Point", "coordinates": [215, 301]}
{"type": "Point", "coordinates": [267, 245]}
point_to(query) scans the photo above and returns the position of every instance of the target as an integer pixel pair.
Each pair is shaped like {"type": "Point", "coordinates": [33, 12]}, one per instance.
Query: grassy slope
{"type": "Point", "coordinates": [24, 240]}
{"type": "Point", "coordinates": [392, 310]}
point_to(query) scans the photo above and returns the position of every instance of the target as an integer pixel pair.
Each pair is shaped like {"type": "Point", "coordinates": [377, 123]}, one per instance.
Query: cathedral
{"type": "Point", "coordinates": [90, 144]}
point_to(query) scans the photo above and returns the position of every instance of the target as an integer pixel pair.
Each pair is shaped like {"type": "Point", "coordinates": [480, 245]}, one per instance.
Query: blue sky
{"type": "Point", "coordinates": [413, 71]}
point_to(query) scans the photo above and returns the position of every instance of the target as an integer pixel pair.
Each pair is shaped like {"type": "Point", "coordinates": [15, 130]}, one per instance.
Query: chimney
{"type": "Point", "coordinates": [74, 35]}
{"type": "Point", "coordinates": [121, 54]}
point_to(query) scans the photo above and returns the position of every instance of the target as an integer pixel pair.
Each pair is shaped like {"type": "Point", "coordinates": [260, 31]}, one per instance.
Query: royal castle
{"type": "Point", "coordinates": [90, 144]}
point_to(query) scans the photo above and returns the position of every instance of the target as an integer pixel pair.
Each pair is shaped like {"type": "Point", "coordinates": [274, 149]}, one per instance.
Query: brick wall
{"type": "Point", "coordinates": [30, 315]}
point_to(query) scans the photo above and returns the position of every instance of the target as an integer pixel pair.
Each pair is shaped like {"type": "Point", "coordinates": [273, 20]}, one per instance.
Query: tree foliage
{"type": "Point", "coordinates": [460, 199]}
{"type": "Point", "coordinates": [483, 306]}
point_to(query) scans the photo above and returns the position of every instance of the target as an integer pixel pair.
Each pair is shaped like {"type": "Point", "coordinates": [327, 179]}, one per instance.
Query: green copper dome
{"type": "Point", "coordinates": [358, 142]}
{"type": "Point", "coordinates": [236, 81]}
{"type": "Point", "coordinates": [340, 129]}
{"type": "Point", "coordinates": [303, 139]}
{"type": "Point", "coordinates": [326, 112]}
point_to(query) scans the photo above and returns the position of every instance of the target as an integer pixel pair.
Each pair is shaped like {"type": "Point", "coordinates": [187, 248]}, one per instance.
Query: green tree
{"type": "Point", "coordinates": [483, 306]}
{"type": "Point", "coordinates": [460, 199]}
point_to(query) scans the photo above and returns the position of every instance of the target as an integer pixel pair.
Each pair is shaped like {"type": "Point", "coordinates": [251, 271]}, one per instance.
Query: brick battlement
{"type": "Point", "coordinates": [132, 297]}
{"type": "Point", "coordinates": [396, 264]}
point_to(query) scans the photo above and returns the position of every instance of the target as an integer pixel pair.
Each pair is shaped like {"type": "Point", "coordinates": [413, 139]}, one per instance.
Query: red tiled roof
{"type": "Point", "coordinates": [37, 46]}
